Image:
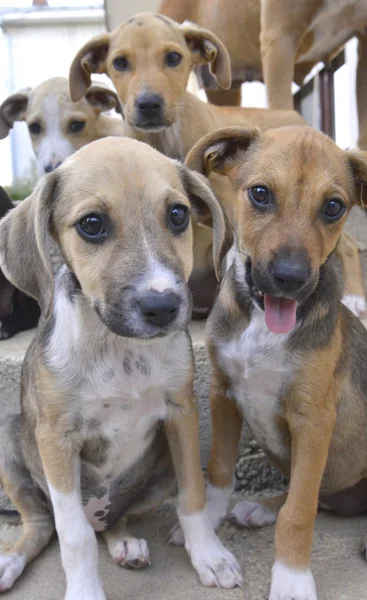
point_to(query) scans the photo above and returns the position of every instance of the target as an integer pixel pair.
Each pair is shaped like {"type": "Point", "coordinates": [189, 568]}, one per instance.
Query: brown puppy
{"type": "Point", "coordinates": [108, 411]}
{"type": "Point", "coordinates": [57, 126]}
{"type": "Point", "coordinates": [286, 354]}
{"type": "Point", "coordinates": [149, 59]}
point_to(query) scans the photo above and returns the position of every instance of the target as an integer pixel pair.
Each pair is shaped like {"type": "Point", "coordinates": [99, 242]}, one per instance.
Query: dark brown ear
{"type": "Point", "coordinates": [208, 211]}
{"type": "Point", "coordinates": [12, 109]}
{"type": "Point", "coordinates": [24, 241]}
{"type": "Point", "coordinates": [219, 151]}
{"type": "Point", "coordinates": [90, 59]}
{"type": "Point", "coordinates": [102, 98]}
{"type": "Point", "coordinates": [358, 163]}
{"type": "Point", "coordinates": [206, 48]}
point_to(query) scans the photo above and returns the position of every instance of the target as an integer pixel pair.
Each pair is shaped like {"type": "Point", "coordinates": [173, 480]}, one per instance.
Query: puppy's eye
{"type": "Point", "coordinates": [35, 128]}
{"type": "Point", "coordinates": [260, 195]}
{"type": "Point", "coordinates": [173, 59]}
{"type": "Point", "coordinates": [92, 228]}
{"type": "Point", "coordinates": [178, 218]}
{"type": "Point", "coordinates": [76, 126]}
{"type": "Point", "coordinates": [333, 210]}
{"type": "Point", "coordinates": [121, 63]}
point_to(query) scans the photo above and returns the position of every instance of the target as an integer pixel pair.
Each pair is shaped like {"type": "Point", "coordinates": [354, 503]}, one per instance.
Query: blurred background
{"type": "Point", "coordinates": [39, 38]}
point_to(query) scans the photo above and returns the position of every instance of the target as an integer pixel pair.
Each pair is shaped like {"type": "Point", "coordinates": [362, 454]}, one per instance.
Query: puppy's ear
{"type": "Point", "coordinates": [24, 240]}
{"type": "Point", "coordinates": [90, 59]}
{"type": "Point", "coordinates": [208, 211]}
{"type": "Point", "coordinates": [358, 164]}
{"type": "Point", "coordinates": [13, 109]}
{"type": "Point", "coordinates": [102, 99]}
{"type": "Point", "coordinates": [206, 48]}
{"type": "Point", "coordinates": [220, 151]}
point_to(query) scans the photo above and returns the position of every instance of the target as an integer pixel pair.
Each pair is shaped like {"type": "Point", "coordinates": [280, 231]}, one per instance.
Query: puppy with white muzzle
{"type": "Point", "coordinates": [108, 411]}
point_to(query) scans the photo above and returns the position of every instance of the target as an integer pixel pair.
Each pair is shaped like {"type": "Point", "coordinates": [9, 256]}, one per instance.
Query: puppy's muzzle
{"type": "Point", "coordinates": [289, 275]}
{"type": "Point", "coordinates": [159, 309]}
{"type": "Point", "coordinates": [149, 111]}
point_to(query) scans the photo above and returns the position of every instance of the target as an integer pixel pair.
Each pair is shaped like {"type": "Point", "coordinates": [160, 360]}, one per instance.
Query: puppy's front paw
{"type": "Point", "coordinates": [356, 304]}
{"type": "Point", "coordinates": [292, 584]}
{"type": "Point", "coordinates": [11, 566]}
{"type": "Point", "coordinates": [215, 565]}
{"type": "Point", "coordinates": [89, 590]}
{"type": "Point", "coordinates": [131, 553]}
{"type": "Point", "coordinates": [252, 514]}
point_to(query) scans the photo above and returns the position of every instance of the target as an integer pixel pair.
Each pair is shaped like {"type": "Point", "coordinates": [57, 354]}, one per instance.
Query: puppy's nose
{"type": "Point", "coordinates": [51, 167]}
{"type": "Point", "coordinates": [289, 275]}
{"type": "Point", "coordinates": [149, 105]}
{"type": "Point", "coordinates": [159, 308]}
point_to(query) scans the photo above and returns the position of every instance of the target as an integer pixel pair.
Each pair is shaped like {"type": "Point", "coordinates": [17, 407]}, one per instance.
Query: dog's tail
{"type": "Point", "coordinates": [11, 517]}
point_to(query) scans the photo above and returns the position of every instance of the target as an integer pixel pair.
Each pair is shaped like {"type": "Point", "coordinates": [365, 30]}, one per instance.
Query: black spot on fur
{"type": "Point", "coordinates": [95, 451]}
{"type": "Point", "coordinates": [94, 423]}
{"type": "Point", "coordinates": [142, 365]}
{"type": "Point", "coordinates": [100, 513]}
{"type": "Point", "coordinates": [126, 363]}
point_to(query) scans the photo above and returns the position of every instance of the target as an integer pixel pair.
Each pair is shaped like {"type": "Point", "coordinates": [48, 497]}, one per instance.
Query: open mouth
{"type": "Point", "coordinates": [280, 311]}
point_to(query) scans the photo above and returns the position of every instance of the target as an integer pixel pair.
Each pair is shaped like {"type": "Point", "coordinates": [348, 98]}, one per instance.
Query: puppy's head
{"type": "Point", "coordinates": [57, 126]}
{"type": "Point", "coordinates": [292, 191]}
{"type": "Point", "coordinates": [149, 58]}
{"type": "Point", "coordinates": [120, 212]}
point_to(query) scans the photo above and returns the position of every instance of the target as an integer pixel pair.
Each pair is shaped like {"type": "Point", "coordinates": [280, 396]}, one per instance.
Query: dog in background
{"type": "Point", "coordinates": [108, 410]}
{"type": "Point", "coordinates": [57, 126]}
{"type": "Point", "coordinates": [286, 354]}
{"type": "Point", "coordinates": [18, 312]}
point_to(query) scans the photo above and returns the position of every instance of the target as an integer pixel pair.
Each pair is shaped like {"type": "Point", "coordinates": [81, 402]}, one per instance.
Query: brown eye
{"type": "Point", "coordinates": [259, 194]}
{"type": "Point", "coordinates": [121, 63]}
{"type": "Point", "coordinates": [92, 228]}
{"type": "Point", "coordinates": [178, 218]}
{"type": "Point", "coordinates": [35, 128]}
{"type": "Point", "coordinates": [173, 59]}
{"type": "Point", "coordinates": [333, 210]}
{"type": "Point", "coordinates": [76, 126]}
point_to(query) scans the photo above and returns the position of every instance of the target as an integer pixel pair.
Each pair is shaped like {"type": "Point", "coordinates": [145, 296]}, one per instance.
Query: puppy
{"type": "Point", "coordinates": [57, 126]}
{"type": "Point", "coordinates": [286, 354]}
{"type": "Point", "coordinates": [108, 411]}
{"type": "Point", "coordinates": [18, 312]}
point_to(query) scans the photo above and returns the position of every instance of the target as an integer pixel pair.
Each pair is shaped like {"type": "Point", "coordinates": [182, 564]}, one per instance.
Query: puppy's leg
{"type": "Point", "coordinates": [311, 425]}
{"type": "Point", "coordinates": [77, 539]}
{"type": "Point", "coordinates": [257, 514]}
{"type": "Point", "coordinates": [348, 252]}
{"type": "Point", "coordinates": [230, 97]}
{"type": "Point", "coordinates": [126, 550]}
{"type": "Point", "coordinates": [227, 422]}
{"type": "Point", "coordinates": [282, 27]}
{"type": "Point", "coordinates": [214, 564]}
{"type": "Point", "coordinates": [362, 91]}
{"type": "Point", "coordinates": [38, 525]}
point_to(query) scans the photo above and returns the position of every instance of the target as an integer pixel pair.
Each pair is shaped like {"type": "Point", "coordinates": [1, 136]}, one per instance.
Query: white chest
{"type": "Point", "coordinates": [257, 367]}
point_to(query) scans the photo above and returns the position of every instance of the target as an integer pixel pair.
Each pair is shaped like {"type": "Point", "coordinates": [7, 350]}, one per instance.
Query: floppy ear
{"type": "Point", "coordinates": [102, 99]}
{"type": "Point", "coordinates": [358, 163]}
{"type": "Point", "coordinates": [208, 211]}
{"type": "Point", "coordinates": [206, 48]}
{"type": "Point", "coordinates": [219, 151]}
{"type": "Point", "coordinates": [90, 59]}
{"type": "Point", "coordinates": [12, 109]}
{"type": "Point", "coordinates": [24, 239]}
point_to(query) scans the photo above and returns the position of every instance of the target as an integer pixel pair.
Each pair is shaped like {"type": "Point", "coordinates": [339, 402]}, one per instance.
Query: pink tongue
{"type": "Point", "coordinates": [280, 313]}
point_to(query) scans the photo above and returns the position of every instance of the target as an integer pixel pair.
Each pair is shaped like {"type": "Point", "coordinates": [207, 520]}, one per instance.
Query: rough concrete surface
{"type": "Point", "coordinates": [338, 566]}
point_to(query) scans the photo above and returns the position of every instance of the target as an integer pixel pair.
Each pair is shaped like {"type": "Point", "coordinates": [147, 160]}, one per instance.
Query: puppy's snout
{"type": "Point", "coordinates": [150, 109]}
{"type": "Point", "coordinates": [158, 308]}
{"type": "Point", "coordinates": [289, 274]}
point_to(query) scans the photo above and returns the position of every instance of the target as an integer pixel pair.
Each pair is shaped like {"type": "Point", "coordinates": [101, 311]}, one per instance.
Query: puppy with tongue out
{"type": "Point", "coordinates": [285, 353]}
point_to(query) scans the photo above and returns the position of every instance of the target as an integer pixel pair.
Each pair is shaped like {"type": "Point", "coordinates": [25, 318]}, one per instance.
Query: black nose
{"type": "Point", "coordinates": [159, 308]}
{"type": "Point", "coordinates": [149, 105]}
{"type": "Point", "coordinates": [50, 167]}
{"type": "Point", "coordinates": [289, 275]}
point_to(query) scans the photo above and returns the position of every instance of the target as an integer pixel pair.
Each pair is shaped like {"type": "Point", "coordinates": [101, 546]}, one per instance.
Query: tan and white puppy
{"type": "Point", "coordinates": [286, 354]}
{"type": "Point", "coordinates": [57, 126]}
{"type": "Point", "coordinates": [108, 410]}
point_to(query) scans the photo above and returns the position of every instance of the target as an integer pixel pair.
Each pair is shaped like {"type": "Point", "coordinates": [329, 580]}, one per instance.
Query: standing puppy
{"type": "Point", "coordinates": [286, 354]}
{"type": "Point", "coordinates": [107, 383]}
{"type": "Point", "coordinates": [57, 126]}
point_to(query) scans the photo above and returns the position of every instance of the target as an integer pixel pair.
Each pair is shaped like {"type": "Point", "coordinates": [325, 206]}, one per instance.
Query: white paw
{"type": "Point", "coordinates": [131, 553]}
{"type": "Point", "coordinates": [176, 536]}
{"type": "Point", "coordinates": [357, 304]}
{"type": "Point", "coordinates": [11, 566]}
{"type": "Point", "coordinates": [252, 514]}
{"type": "Point", "coordinates": [292, 584]}
{"type": "Point", "coordinates": [215, 565]}
{"type": "Point", "coordinates": [85, 592]}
